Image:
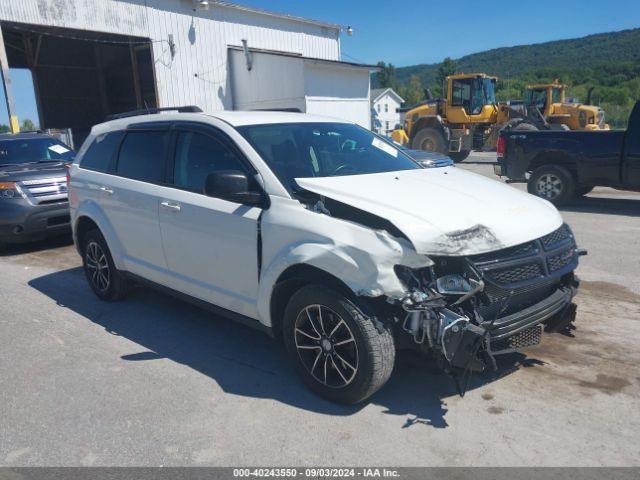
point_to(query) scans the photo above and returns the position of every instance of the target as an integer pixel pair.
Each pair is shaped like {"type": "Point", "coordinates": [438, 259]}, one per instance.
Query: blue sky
{"type": "Point", "coordinates": [429, 30]}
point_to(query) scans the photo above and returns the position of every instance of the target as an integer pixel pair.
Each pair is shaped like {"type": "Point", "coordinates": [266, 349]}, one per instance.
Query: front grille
{"type": "Point", "coordinates": [554, 238]}
{"type": "Point", "coordinates": [45, 190]}
{"type": "Point", "coordinates": [517, 274]}
{"type": "Point", "coordinates": [523, 275]}
{"type": "Point", "coordinates": [523, 339]}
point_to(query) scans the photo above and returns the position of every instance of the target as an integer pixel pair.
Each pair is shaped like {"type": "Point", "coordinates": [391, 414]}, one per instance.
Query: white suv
{"type": "Point", "coordinates": [323, 234]}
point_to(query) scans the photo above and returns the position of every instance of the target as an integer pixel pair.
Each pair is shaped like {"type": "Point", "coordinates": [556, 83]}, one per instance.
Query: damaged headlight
{"type": "Point", "coordinates": [414, 278]}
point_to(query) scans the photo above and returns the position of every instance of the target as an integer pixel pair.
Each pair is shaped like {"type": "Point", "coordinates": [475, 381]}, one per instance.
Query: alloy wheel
{"type": "Point", "coordinates": [549, 186]}
{"type": "Point", "coordinates": [326, 346]}
{"type": "Point", "coordinates": [98, 266]}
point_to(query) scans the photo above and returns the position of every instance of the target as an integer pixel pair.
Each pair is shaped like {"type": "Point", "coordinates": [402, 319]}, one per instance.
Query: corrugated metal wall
{"type": "Point", "coordinates": [197, 73]}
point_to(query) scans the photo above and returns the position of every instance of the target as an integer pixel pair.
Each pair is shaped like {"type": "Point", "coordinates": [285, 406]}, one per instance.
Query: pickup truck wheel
{"type": "Point", "coordinates": [429, 139]}
{"type": "Point", "coordinates": [103, 277]}
{"type": "Point", "coordinates": [552, 183]}
{"type": "Point", "coordinates": [336, 348]}
{"type": "Point", "coordinates": [458, 157]}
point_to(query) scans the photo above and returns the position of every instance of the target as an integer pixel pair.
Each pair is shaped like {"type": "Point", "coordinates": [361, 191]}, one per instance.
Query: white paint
{"type": "Point", "coordinates": [198, 74]}
{"type": "Point", "coordinates": [331, 89]}
{"type": "Point", "coordinates": [384, 106]}
{"type": "Point", "coordinates": [430, 206]}
{"type": "Point", "coordinates": [208, 249]}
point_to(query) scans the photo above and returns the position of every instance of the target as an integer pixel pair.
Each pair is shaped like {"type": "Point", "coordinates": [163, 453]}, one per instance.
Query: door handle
{"type": "Point", "coordinates": [171, 206]}
{"type": "Point", "coordinates": [107, 190]}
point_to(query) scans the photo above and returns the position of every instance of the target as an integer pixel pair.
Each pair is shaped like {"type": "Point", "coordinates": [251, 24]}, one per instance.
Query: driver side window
{"type": "Point", "coordinates": [197, 155]}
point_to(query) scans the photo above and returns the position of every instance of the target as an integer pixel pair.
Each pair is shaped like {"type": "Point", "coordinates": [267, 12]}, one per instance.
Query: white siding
{"type": "Point", "coordinates": [198, 73]}
{"type": "Point", "coordinates": [391, 116]}
{"type": "Point", "coordinates": [338, 91]}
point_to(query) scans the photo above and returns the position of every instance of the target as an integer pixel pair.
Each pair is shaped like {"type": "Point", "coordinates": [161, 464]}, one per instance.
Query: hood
{"type": "Point", "coordinates": [444, 211]}
{"type": "Point", "coordinates": [31, 171]}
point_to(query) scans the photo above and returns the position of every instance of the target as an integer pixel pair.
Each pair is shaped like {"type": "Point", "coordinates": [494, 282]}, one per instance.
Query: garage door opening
{"type": "Point", "coordinates": [80, 77]}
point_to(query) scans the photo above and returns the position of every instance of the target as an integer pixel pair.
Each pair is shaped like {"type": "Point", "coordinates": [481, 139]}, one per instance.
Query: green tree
{"type": "Point", "coordinates": [413, 92]}
{"type": "Point", "coordinates": [27, 125]}
{"type": "Point", "coordinates": [386, 76]}
{"type": "Point", "coordinates": [4, 128]}
{"type": "Point", "coordinates": [446, 68]}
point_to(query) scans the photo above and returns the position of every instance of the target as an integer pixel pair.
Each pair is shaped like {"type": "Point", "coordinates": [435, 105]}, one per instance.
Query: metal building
{"type": "Point", "coordinates": [92, 58]}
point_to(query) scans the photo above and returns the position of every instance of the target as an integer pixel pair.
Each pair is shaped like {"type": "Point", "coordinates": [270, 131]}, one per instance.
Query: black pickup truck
{"type": "Point", "coordinates": [558, 165]}
{"type": "Point", "coordinates": [33, 187]}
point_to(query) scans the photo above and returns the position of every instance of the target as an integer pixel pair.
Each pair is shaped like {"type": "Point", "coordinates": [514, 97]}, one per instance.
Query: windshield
{"type": "Point", "coordinates": [302, 150]}
{"type": "Point", "coordinates": [536, 98]}
{"type": "Point", "coordinates": [16, 151]}
{"type": "Point", "coordinates": [473, 94]}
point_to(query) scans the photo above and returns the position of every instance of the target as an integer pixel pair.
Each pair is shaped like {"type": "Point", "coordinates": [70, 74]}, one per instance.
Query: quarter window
{"type": "Point", "coordinates": [142, 156]}
{"type": "Point", "coordinates": [197, 156]}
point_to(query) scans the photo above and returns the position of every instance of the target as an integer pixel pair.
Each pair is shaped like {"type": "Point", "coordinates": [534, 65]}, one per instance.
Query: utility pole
{"type": "Point", "coordinates": [14, 125]}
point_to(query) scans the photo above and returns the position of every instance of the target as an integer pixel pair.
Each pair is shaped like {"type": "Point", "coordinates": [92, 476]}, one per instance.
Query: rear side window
{"type": "Point", "coordinates": [99, 154]}
{"type": "Point", "coordinates": [142, 156]}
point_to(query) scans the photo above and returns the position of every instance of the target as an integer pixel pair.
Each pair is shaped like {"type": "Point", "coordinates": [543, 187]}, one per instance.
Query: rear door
{"type": "Point", "coordinates": [631, 158]}
{"type": "Point", "coordinates": [131, 198]}
{"type": "Point", "coordinates": [211, 245]}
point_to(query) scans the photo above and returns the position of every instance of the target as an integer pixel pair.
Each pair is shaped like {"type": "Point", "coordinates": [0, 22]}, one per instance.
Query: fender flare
{"type": "Point", "coordinates": [92, 211]}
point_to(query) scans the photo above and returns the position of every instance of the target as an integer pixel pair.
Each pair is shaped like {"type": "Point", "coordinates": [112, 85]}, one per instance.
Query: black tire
{"type": "Point", "coordinates": [338, 369]}
{"type": "Point", "coordinates": [458, 157]}
{"type": "Point", "coordinates": [553, 183]}
{"type": "Point", "coordinates": [104, 279]}
{"type": "Point", "coordinates": [582, 190]}
{"type": "Point", "coordinates": [429, 139]}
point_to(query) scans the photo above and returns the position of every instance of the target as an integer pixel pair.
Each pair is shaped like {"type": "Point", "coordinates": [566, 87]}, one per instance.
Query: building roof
{"type": "Point", "coordinates": [376, 93]}
{"type": "Point", "coordinates": [333, 26]}
{"type": "Point", "coordinates": [312, 59]}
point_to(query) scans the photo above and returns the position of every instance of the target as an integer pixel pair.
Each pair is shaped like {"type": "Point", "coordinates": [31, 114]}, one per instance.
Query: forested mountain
{"type": "Point", "coordinates": [610, 62]}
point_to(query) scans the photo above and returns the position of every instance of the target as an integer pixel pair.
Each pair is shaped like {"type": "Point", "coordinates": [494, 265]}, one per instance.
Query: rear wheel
{"type": "Point", "coordinates": [553, 183]}
{"type": "Point", "coordinates": [336, 348]}
{"type": "Point", "coordinates": [458, 157]}
{"type": "Point", "coordinates": [103, 277]}
{"type": "Point", "coordinates": [429, 139]}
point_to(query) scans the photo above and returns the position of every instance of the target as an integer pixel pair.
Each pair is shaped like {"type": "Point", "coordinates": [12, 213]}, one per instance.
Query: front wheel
{"type": "Point", "coordinates": [553, 183]}
{"type": "Point", "coordinates": [429, 139]}
{"type": "Point", "coordinates": [336, 348]}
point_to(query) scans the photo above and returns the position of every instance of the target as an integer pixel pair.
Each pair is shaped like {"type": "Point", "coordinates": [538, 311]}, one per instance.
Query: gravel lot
{"type": "Point", "coordinates": [154, 381]}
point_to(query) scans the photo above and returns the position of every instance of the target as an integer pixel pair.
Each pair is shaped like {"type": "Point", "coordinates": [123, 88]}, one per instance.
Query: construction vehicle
{"type": "Point", "coordinates": [469, 118]}
{"type": "Point", "coordinates": [549, 99]}
{"type": "Point", "coordinates": [465, 120]}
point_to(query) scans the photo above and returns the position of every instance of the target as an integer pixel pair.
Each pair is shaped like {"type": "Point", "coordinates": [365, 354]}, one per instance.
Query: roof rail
{"type": "Point", "coordinates": [147, 111]}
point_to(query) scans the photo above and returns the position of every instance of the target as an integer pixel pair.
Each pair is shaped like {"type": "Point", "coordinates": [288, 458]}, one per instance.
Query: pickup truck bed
{"type": "Point", "coordinates": [559, 164]}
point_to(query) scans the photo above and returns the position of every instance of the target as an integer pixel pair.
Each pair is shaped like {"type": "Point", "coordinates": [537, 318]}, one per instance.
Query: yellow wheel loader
{"type": "Point", "coordinates": [466, 119]}
{"type": "Point", "coordinates": [549, 99]}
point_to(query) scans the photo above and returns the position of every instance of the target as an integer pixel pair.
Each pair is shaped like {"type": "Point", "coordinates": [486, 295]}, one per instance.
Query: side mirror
{"type": "Point", "coordinates": [234, 186]}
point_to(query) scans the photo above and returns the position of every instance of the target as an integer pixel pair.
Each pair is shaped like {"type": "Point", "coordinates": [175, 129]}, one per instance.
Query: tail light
{"type": "Point", "coordinates": [500, 148]}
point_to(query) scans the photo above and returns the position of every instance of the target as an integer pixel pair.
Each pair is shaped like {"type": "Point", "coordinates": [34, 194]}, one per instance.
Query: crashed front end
{"type": "Point", "coordinates": [468, 309]}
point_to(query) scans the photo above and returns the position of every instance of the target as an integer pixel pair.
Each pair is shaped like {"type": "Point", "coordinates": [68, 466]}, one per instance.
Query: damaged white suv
{"type": "Point", "coordinates": [323, 234]}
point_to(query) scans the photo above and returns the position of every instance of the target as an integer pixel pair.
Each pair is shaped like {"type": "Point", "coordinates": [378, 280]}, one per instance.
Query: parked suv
{"type": "Point", "coordinates": [33, 187]}
{"type": "Point", "coordinates": [323, 234]}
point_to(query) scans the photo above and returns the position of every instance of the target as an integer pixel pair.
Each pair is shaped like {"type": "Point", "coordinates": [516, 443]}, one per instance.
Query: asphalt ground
{"type": "Point", "coordinates": [154, 381]}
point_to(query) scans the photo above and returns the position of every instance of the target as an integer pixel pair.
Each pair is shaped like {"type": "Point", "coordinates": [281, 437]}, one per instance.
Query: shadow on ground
{"type": "Point", "coordinates": [608, 206]}
{"type": "Point", "coordinates": [243, 361]}
{"type": "Point", "coordinates": [12, 249]}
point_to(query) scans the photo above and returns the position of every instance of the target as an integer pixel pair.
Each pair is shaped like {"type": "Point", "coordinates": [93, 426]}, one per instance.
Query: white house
{"type": "Point", "coordinates": [91, 58]}
{"type": "Point", "coordinates": [384, 110]}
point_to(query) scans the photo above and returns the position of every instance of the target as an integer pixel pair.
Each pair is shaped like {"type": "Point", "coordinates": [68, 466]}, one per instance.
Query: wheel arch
{"type": "Point", "coordinates": [428, 122]}
{"type": "Point", "coordinates": [293, 279]}
{"type": "Point", "coordinates": [558, 159]}
{"type": "Point", "coordinates": [91, 216]}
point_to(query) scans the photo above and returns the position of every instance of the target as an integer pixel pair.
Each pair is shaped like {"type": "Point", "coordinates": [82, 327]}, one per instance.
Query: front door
{"type": "Point", "coordinates": [211, 245]}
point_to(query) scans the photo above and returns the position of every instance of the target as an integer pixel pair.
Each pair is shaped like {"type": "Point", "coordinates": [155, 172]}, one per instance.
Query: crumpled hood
{"type": "Point", "coordinates": [444, 211]}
